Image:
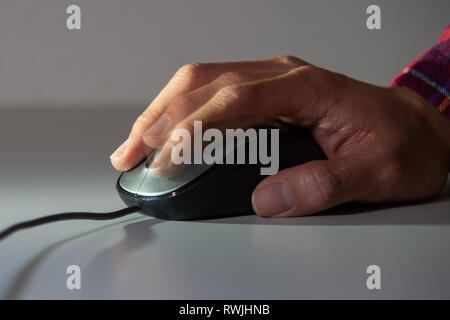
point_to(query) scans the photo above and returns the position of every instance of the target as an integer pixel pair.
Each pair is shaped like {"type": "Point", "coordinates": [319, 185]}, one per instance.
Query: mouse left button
{"type": "Point", "coordinates": [131, 180]}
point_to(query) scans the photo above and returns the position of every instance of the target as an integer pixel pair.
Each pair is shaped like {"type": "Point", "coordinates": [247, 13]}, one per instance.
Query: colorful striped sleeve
{"type": "Point", "coordinates": [429, 74]}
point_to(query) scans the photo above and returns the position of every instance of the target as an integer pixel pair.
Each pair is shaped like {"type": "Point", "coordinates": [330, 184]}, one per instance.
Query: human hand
{"type": "Point", "coordinates": [382, 144]}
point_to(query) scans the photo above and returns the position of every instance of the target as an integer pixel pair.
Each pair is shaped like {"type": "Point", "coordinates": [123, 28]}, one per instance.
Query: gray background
{"type": "Point", "coordinates": [56, 135]}
{"type": "Point", "coordinates": [127, 50]}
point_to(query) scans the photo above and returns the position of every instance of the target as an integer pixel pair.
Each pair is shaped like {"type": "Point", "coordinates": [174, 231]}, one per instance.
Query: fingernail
{"type": "Point", "coordinates": [161, 156]}
{"type": "Point", "coordinates": [161, 161]}
{"type": "Point", "coordinates": [157, 131]}
{"type": "Point", "coordinates": [273, 198]}
{"type": "Point", "coordinates": [121, 149]}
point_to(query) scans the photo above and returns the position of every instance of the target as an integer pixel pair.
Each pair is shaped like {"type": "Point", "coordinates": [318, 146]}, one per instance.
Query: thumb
{"type": "Point", "coordinates": [308, 188]}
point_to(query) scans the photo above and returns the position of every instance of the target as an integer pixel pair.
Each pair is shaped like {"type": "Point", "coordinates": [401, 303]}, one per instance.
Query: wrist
{"type": "Point", "coordinates": [438, 121]}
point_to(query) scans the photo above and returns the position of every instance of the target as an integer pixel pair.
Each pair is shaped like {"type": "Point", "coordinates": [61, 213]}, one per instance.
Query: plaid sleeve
{"type": "Point", "coordinates": [429, 74]}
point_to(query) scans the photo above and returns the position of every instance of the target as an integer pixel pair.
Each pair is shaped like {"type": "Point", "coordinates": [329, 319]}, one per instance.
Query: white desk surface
{"type": "Point", "coordinates": [57, 160]}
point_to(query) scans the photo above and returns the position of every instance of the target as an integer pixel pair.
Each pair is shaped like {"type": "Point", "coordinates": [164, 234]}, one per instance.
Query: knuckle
{"type": "Point", "coordinates": [310, 72]}
{"type": "Point", "coordinates": [145, 118]}
{"type": "Point", "coordinates": [232, 77]}
{"type": "Point", "coordinates": [191, 68]}
{"type": "Point", "coordinates": [324, 184]}
{"type": "Point", "coordinates": [227, 97]}
{"type": "Point", "coordinates": [143, 121]}
{"type": "Point", "coordinates": [185, 126]}
{"type": "Point", "coordinates": [290, 60]}
{"type": "Point", "coordinates": [236, 100]}
{"type": "Point", "coordinates": [244, 92]}
{"type": "Point", "coordinates": [189, 71]}
{"type": "Point", "coordinates": [182, 102]}
{"type": "Point", "coordinates": [229, 93]}
{"type": "Point", "coordinates": [314, 73]}
{"type": "Point", "coordinates": [324, 83]}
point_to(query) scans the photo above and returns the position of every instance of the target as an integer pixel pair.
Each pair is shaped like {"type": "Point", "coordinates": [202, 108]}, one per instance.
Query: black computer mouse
{"type": "Point", "coordinates": [211, 191]}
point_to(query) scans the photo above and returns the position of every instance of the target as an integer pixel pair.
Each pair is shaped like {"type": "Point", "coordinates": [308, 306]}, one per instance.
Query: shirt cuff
{"type": "Point", "coordinates": [429, 74]}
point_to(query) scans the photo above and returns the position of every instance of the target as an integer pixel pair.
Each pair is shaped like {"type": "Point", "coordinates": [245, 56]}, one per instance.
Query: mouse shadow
{"type": "Point", "coordinates": [137, 234]}
{"type": "Point", "coordinates": [99, 273]}
{"type": "Point", "coordinates": [416, 213]}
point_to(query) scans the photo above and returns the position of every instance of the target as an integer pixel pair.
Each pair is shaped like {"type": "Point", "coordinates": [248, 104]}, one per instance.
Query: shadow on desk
{"type": "Point", "coordinates": [140, 233]}
{"type": "Point", "coordinates": [137, 234]}
{"type": "Point", "coordinates": [432, 212]}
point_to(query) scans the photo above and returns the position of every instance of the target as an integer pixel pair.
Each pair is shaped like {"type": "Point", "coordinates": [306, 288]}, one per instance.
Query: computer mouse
{"type": "Point", "coordinates": [202, 191]}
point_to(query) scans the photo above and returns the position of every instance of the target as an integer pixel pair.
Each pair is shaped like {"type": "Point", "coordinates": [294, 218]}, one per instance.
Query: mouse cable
{"type": "Point", "coordinates": [68, 216]}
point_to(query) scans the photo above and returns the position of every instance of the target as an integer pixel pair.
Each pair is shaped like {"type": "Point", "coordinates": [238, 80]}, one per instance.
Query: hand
{"type": "Point", "coordinates": [383, 144]}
